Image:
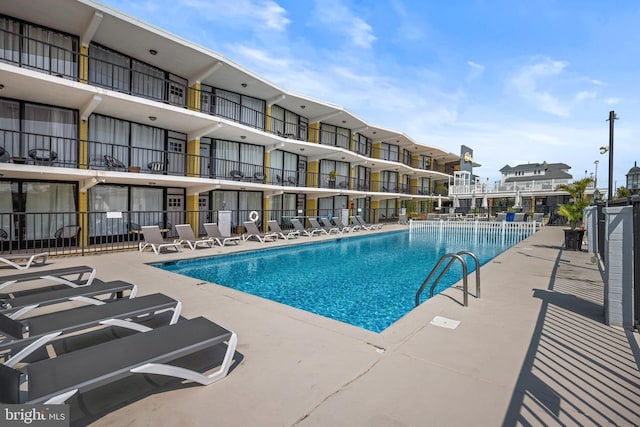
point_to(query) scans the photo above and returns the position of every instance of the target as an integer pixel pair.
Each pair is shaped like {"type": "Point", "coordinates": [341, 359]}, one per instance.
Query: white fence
{"type": "Point", "coordinates": [502, 232]}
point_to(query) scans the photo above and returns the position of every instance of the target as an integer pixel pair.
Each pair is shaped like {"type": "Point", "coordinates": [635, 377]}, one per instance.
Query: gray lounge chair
{"type": "Point", "coordinates": [23, 337]}
{"type": "Point", "coordinates": [154, 240]}
{"type": "Point", "coordinates": [185, 234]}
{"type": "Point", "coordinates": [364, 224]}
{"type": "Point", "coordinates": [20, 302]}
{"type": "Point", "coordinates": [31, 259]}
{"type": "Point", "coordinates": [53, 381]}
{"type": "Point", "coordinates": [213, 232]}
{"type": "Point", "coordinates": [343, 228]}
{"type": "Point", "coordinates": [274, 227]}
{"type": "Point", "coordinates": [502, 216]}
{"type": "Point", "coordinates": [402, 219]}
{"type": "Point", "coordinates": [255, 234]}
{"type": "Point", "coordinates": [328, 226]}
{"type": "Point", "coordinates": [58, 275]}
{"type": "Point", "coordinates": [315, 225]}
{"type": "Point", "coordinates": [297, 225]}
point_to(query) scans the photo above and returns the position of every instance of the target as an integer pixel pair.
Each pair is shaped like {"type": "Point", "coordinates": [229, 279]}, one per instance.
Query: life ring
{"type": "Point", "coordinates": [253, 216]}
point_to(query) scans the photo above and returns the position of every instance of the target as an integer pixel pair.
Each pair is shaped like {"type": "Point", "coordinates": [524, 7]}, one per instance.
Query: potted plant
{"type": "Point", "coordinates": [574, 211]}
{"type": "Point", "coordinates": [332, 178]}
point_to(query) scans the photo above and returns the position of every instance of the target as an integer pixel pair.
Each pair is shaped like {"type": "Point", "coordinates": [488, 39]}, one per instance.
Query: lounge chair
{"type": "Point", "coordinates": [22, 302]}
{"type": "Point", "coordinates": [402, 219]}
{"type": "Point", "coordinates": [275, 228]}
{"type": "Point", "coordinates": [297, 225]}
{"type": "Point", "coordinates": [433, 217]}
{"type": "Point", "coordinates": [153, 239]}
{"type": "Point", "coordinates": [32, 259]}
{"type": "Point", "coordinates": [328, 226]}
{"type": "Point", "coordinates": [343, 228]}
{"type": "Point", "coordinates": [538, 217]}
{"type": "Point", "coordinates": [502, 216]}
{"type": "Point", "coordinates": [371, 226]}
{"type": "Point", "coordinates": [315, 225]}
{"type": "Point", "coordinates": [53, 381]}
{"type": "Point", "coordinates": [254, 233]}
{"type": "Point", "coordinates": [23, 337]}
{"type": "Point", "coordinates": [357, 223]}
{"type": "Point", "coordinates": [185, 234]}
{"type": "Point", "coordinates": [58, 275]}
{"type": "Point", "coordinates": [213, 232]}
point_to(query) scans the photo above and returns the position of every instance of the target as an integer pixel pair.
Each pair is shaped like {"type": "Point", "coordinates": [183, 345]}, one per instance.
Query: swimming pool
{"type": "Point", "coordinates": [367, 281]}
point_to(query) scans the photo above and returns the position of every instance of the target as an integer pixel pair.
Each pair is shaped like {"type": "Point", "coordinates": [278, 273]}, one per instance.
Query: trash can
{"type": "Point", "coordinates": [511, 216]}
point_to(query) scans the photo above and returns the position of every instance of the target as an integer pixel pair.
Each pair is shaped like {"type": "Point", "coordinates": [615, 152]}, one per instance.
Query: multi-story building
{"type": "Point", "coordinates": [108, 123]}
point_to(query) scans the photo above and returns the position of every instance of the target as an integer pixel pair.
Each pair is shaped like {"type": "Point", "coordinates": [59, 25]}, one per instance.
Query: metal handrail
{"type": "Point", "coordinates": [465, 286]}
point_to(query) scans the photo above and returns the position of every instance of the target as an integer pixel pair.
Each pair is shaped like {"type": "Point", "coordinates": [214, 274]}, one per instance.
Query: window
{"type": "Point", "coordinates": [389, 152]}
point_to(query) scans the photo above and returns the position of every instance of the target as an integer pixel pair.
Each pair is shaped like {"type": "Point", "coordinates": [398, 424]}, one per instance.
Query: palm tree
{"type": "Point", "coordinates": [573, 210]}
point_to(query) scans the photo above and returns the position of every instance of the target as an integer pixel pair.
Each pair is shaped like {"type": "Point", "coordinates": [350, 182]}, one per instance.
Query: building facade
{"type": "Point", "coordinates": [108, 124]}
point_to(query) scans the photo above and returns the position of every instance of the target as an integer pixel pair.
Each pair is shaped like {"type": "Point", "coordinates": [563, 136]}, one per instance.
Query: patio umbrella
{"type": "Point", "coordinates": [485, 202]}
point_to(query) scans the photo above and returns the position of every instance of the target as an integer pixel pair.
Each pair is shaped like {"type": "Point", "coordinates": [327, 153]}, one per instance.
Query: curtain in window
{"type": "Point", "coordinates": [228, 105]}
{"type": "Point", "coordinates": [277, 120]}
{"type": "Point", "coordinates": [9, 40]}
{"type": "Point", "coordinates": [249, 201]}
{"type": "Point", "coordinates": [251, 154]}
{"type": "Point", "coordinates": [290, 168]}
{"type": "Point", "coordinates": [275, 207]}
{"type": "Point", "coordinates": [147, 145]}
{"type": "Point", "coordinates": [48, 50]}
{"type": "Point", "coordinates": [10, 127]}
{"type": "Point", "coordinates": [291, 124]}
{"type": "Point", "coordinates": [53, 129]}
{"type": "Point", "coordinates": [343, 138]}
{"type": "Point", "coordinates": [205, 157]}
{"type": "Point", "coordinates": [103, 199]}
{"type": "Point", "coordinates": [6, 209]}
{"type": "Point", "coordinates": [108, 136]}
{"type": "Point", "coordinates": [50, 207]}
{"type": "Point", "coordinates": [109, 69]}
{"type": "Point", "coordinates": [276, 163]}
{"type": "Point", "coordinates": [327, 134]}
{"type": "Point", "coordinates": [227, 156]}
{"type": "Point", "coordinates": [325, 206]}
{"type": "Point", "coordinates": [147, 206]}
{"type": "Point", "coordinates": [343, 173]}
{"type": "Point", "coordinates": [253, 112]}
{"type": "Point", "coordinates": [147, 81]}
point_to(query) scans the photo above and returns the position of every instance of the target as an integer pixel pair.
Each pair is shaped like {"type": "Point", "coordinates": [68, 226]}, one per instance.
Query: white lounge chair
{"type": "Point", "coordinates": [153, 239]}
{"type": "Point", "coordinates": [213, 231]}
{"type": "Point", "coordinates": [275, 228]}
{"type": "Point", "coordinates": [303, 231]}
{"type": "Point", "coordinates": [32, 259]}
{"type": "Point", "coordinates": [254, 233]}
{"type": "Point", "coordinates": [185, 234]}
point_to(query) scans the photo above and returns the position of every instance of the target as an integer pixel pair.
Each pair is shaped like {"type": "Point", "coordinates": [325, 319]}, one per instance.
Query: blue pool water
{"type": "Point", "coordinates": [368, 281]}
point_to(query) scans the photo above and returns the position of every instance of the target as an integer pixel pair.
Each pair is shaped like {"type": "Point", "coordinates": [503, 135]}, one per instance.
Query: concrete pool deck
{"type": "Point", "coordinates": [534, 350]}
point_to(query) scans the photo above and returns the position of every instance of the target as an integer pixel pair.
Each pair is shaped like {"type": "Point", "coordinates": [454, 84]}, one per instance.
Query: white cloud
{"type": "Point", "coordinates": [475, 70]}
{"type": "Point", "coordinates": [259, 15]}
{"type": "Point", "coordinates": [336, 17]}
{"type": "Point", "coordinates": [612, 101]}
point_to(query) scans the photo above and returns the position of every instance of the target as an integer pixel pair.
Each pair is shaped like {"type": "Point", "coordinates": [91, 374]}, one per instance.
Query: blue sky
{"type": "Point", "coordinates": [517, 81]}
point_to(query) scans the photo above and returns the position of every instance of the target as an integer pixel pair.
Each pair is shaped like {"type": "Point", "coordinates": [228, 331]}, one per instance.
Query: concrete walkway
{"type": "Point", "coordinates": [532, 351]}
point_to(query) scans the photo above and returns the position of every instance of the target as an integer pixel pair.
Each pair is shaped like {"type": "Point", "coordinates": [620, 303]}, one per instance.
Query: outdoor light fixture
{"type": "Point", "coordinates": [153, 52]}
{"type": "Point", "coordinates": [303, 106]}
{"type": "Point", "coordinates": [153, 118]}
{"type": "Point", "coordinates": [243, 85]}
{"type": "Point", "coordinates": [603, 149]}
{"type": "Point", "coordinates": [1, 86]}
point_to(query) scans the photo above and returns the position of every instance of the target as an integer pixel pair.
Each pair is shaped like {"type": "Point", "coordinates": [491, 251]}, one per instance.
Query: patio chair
{"type": "Point", "coordinates": [315, 225]}
{"type": "Point", "coordinates": [153, 239]}
{"type": "Point", "coordinates": [343, 228]}
{"type": "Point", "coordinates": [328, 226]}
{"type": "Point", "coordinates": [67, 232]}
{"type": "Point", "coordinates": [371, 226]}
{"type": "Point", "coordinates": [20, 302]}
{"type": "Point", "coordinates": [113, 163]}
{"type": "Point", "coordinates": [55, 380]}
{"type": "Point", "coordinates": [23, 337]}
{"type": "Point", "coordinates": [59, 275]}
{"type": "Point", "coordinates": [275, 228]}
{"type": "Point", "coordinates": [213, 232]}
{"type": "Point", "coordinates": [43, 156]}
{"type": "Point", "coordinates": [254, 233]}
{"type": "Point", "coordinates": [297, 225]}
{"type": "Point", "coordinates": [31, 259]}
{"type": "Point", "coordinates": [185, 234]}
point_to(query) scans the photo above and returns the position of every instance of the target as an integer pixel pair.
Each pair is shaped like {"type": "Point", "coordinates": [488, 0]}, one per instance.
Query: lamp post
{"type": "Point", "coordinates": [611, 119]}
{"type": "Point", "coordinates": [595, 183]}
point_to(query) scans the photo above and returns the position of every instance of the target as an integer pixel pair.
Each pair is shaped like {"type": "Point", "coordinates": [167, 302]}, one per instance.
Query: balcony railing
{"type": "Point", "coordinates": [510, 187]}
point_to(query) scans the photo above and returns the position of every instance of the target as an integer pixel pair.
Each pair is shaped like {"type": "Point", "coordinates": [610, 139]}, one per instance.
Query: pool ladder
{"type": "Point", "coordinates": [452, 258]}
